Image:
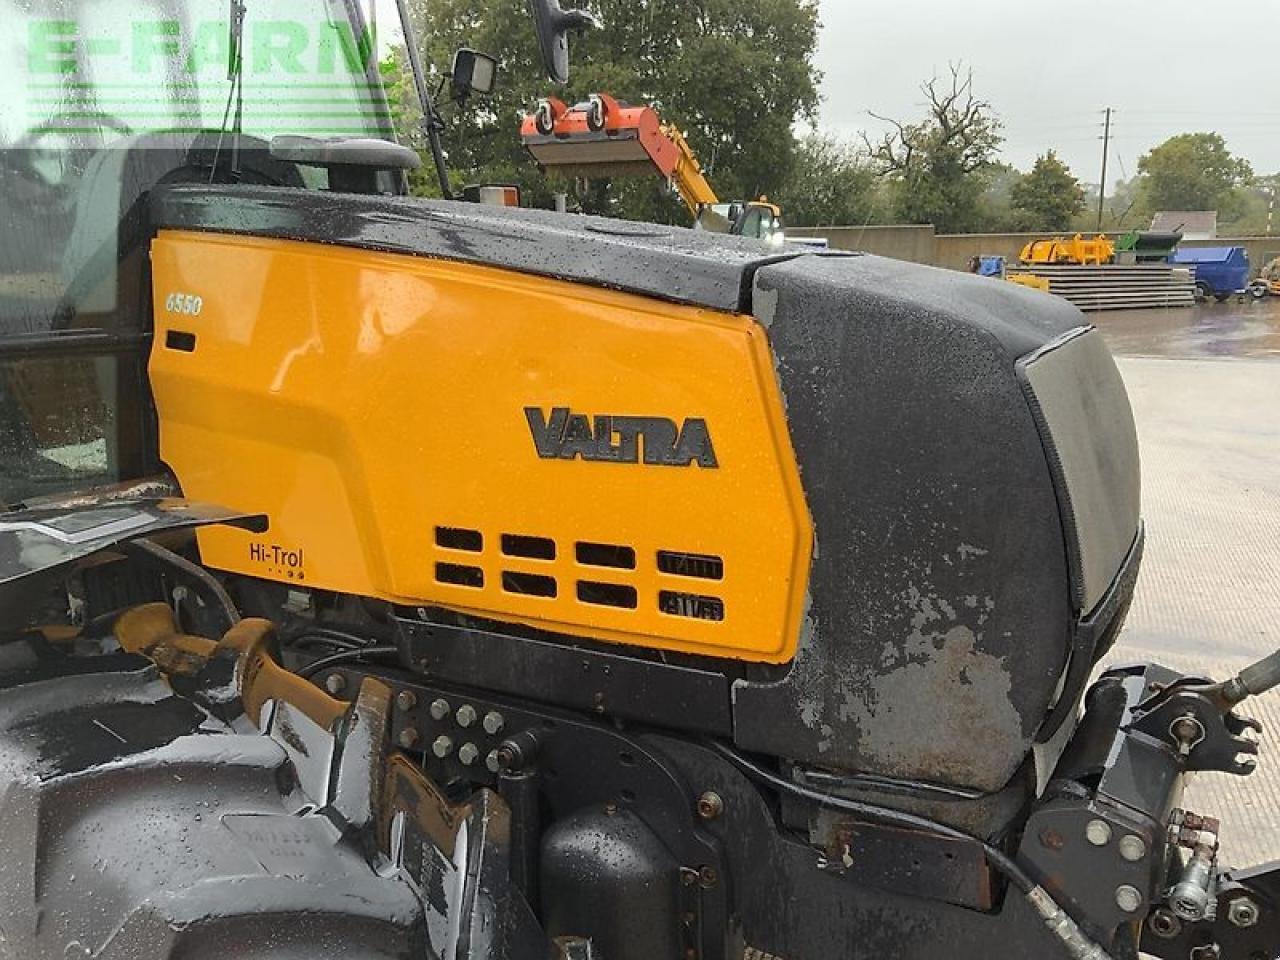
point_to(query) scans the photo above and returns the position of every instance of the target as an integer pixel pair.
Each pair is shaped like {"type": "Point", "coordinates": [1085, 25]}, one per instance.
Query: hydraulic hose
{"type": "Point", "coordinates": [345, 656]}
{"type": "Point", "coordinates": [1079, 945]}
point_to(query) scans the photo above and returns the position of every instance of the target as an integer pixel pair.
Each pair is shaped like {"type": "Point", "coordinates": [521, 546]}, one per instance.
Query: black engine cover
{"type": "Point", "coordinates": [945, 587]}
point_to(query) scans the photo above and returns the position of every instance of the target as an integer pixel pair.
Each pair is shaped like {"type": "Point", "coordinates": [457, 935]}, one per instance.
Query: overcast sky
{"type": "Point", "coordinates": [1049, 67]}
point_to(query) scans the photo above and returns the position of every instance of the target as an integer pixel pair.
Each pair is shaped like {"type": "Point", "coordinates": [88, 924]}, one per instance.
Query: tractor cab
{"type": "Point", "coordinates": [757, 219]}
{"type": "Point", "coordinates": [101, 105]}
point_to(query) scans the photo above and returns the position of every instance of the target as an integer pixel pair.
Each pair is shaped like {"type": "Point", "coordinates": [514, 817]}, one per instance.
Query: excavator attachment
{"type": "Point", "coordinates": [602, 137]}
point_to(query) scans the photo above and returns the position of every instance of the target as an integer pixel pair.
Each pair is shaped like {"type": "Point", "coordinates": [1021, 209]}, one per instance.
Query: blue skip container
{"type": "Point", "coordinates": [1220, 271]}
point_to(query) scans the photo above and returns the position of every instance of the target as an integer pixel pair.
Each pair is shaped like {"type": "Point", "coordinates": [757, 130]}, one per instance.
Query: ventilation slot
{"type": "Point", "coordinates": [607, 594]}
{"type": "Point", "coordinates": [606, 555]}
{"type": "Point", "coordinates": [180, 340]}
{"type": "Point", "coordinates": [691, 605]}
{"type": "Point", "coordinates": [455, 538]}
{"type": "Point", "coordinates": [459, 575]}
{"type": "Point", "coordinates": [528, 584]}
{"type": "Point", "coordinates": [698, 565]}
{"type": "Point", "coordinates": [532, 548]}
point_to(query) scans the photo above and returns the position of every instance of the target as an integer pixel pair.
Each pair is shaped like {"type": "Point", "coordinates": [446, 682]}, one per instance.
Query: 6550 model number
{"type": "Point", "coordinates": [185, 304]}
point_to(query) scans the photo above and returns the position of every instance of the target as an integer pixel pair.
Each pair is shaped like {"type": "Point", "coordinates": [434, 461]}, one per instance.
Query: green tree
{"type": "Point", "coordinates": [734, 74]}
{"type": "Point", "coordinates": [937, 165]}
{"type": "Point", "coordinates": [1048, 197]}
{"type": "Point", "coordinates": [1193, 171]}
{"type": "Point", "coordinates": [1256, 211]}
{"type": "Point", "coordinates": [831, 184]}
{"type": "Point", "coordinates": [406, 116]}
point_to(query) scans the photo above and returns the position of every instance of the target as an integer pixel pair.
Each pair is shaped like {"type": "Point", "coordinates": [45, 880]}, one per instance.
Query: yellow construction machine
{"type": "Point", "coordinates": [400, 579]}
{"type": "Point", "coordinates": [1077, 250]}
{"type": "Point", "coordinates": [602, 137]}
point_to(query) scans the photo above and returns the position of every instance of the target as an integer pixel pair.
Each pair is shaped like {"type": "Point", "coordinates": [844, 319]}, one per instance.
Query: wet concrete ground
{"type": "Point", "coordinates": [1205, 387]}
{"type": "Point", "coordinates": [1209, 331]}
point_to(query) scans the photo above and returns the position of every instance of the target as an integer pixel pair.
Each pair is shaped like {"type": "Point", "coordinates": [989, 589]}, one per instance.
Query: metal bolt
{"type": "Point", "coordinates": [335, 683]}
{"type": "Point", "coordinates": [710, 805]}
{"type": "Point", "coordinates": [408, 737]}
{"type": "Point", "coordinates": [493, 722]}
{"type": "Point", "coordinates": [439, 709]}
{"type": "Point", "coordinates": [468, 753]}
{"type": "Point", "coordinates": [406, 699]}
{"type": "Point", "coordinates": [1187, 731]}
{"type": "Point", "coordinates": [1243, 912]}
{"type": "Point", "coordinates": [1164, 924]}
{"type": "Point", "coordinates": [492, 763]}
{"type": "Point", "coordinates": [442, 747]}
{"type": "Point", "coordinates": [708, 877]}
{"type": "Point", "coordinates": [466, 715]}
{"type": "Point", "coordinates": [1132, 847]}
{"type": "Point", "coordinates": [1128, 898]}
{"type": "Point", "coordinates": [1098, 832]}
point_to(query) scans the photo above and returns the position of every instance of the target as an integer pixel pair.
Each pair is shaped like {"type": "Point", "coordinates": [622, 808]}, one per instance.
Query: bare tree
{"type": "Point", "coordinates": [960, 124]}
{"type": "Point", "coordinates": [937, 160]}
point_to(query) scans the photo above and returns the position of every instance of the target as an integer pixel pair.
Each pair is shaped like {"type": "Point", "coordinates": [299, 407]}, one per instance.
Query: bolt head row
{"type": "Point", "coordinates": [1132, 847]}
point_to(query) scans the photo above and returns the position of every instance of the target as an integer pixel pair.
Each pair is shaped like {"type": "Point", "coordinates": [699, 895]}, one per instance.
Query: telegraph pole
{"type": "Point", "coordinates": [1102, 184]}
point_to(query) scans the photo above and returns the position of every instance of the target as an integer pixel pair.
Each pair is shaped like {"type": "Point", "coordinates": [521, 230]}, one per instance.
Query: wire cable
{"type": "Point", "coordinates": [887, 815]}
{"type": "Point", "coordinates": [303, 633]}
{"type": "Point", "coordinates": [345, 656]}
{"type": "Point", "coordinates": [1076, 942]}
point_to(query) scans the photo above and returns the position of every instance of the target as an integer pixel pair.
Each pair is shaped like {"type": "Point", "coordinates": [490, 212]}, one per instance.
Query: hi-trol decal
{"type": "Point", "coordinates": [565, 435]}
{"type": "Point", "coordinates": [279, 560]}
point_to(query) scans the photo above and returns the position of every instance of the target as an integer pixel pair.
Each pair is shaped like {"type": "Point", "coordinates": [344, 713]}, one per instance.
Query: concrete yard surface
{"type": "Point", "coordinates": [1205, 388]}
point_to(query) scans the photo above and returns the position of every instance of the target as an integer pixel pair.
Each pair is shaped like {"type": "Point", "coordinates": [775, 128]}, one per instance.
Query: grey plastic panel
{"type": "Point", "coordinates": [1087, 427]}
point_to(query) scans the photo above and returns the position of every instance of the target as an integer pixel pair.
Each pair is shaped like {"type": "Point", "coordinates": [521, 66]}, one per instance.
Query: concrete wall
{"type": "Point", "coordinates": [922, 244]}
{"type": "Point", "coordinates": [916, 243]}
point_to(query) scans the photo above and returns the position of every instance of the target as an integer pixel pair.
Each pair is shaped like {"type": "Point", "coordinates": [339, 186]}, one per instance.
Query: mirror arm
{"type": "Point", "coordinates": [431, 121]}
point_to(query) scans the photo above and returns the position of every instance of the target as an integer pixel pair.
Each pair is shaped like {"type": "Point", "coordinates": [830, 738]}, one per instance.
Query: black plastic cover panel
{"type": "Point", "coordinates": [46, 539]}
{"type": "Point", "coordinates": [671, 263]}
{"type": "Point", "coordinates": [940, 608]}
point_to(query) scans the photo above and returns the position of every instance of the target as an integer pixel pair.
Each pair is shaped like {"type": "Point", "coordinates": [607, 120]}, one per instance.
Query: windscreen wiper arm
{"type": "Point", "coordinates": [430, 119]}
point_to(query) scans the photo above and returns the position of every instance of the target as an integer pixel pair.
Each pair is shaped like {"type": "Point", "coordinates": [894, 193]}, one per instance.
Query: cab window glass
{"type": "Point", "coordinates": [100, 103]}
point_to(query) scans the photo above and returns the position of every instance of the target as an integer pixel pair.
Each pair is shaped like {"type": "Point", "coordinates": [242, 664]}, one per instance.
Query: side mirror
{"type": "Point", "coordinates": [473, 72]}
{"type": "Point", "coordinates": [553, 24]}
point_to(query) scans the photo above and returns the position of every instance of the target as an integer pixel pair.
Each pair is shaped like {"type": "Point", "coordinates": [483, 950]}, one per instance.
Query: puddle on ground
{"type": "Point", "coordinates": [1231, 329]}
